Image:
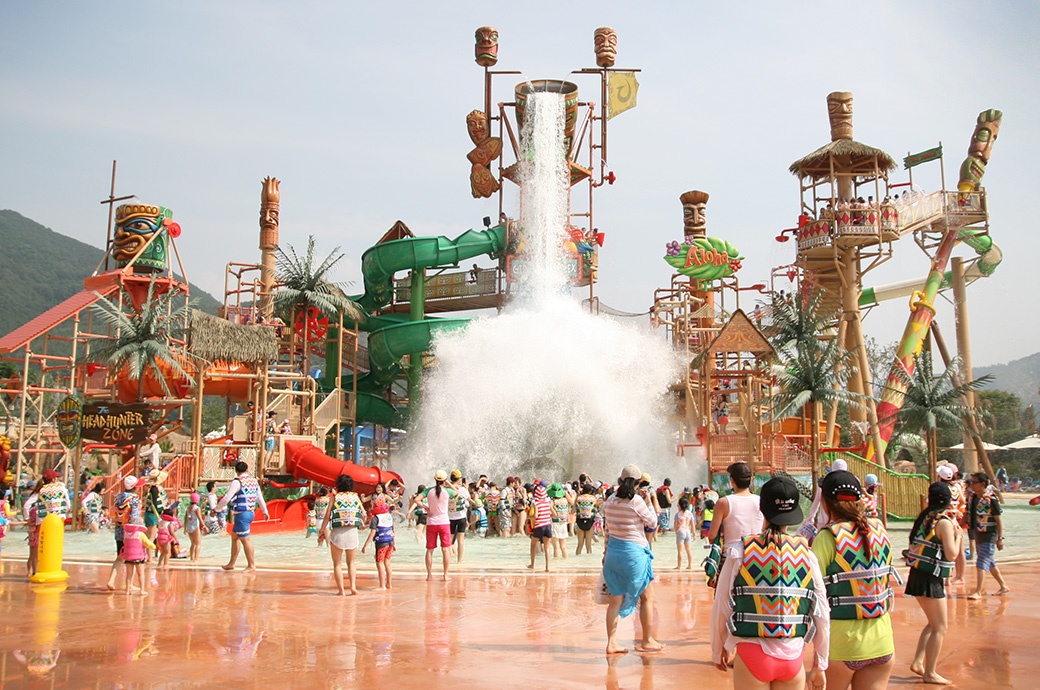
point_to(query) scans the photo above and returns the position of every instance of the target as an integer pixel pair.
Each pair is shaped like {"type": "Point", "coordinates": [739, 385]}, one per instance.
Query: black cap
{"type": "Point", "coordinates": [939, 495]}
{"type": "Point", "coordinates": [842, 486]}
{"type": "Point", "coordinates": [779, 501]}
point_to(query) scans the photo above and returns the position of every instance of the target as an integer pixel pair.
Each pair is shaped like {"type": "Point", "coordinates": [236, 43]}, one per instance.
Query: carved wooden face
{"type": "Point", "coordinates": [268, 215]}
{"type": "Point", "coordinates": [695, 219]}
{"type": "Point", "coordinates": [839, 110]}
{"type": "Point", "coordinates": [985, 134]}
{"type": "Point", "coordinates": [606, 46]}
{"type": "Point", "coordinates": [135, 225]}
{"type": "Point", "coordinates": [477, 124]}
{"type": "Point", "coordinates": [486, 49]}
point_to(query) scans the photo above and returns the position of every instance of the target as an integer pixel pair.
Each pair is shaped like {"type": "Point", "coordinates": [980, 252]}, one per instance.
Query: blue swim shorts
{"type": "Point", "coordinates": [242, 522]}
{"type": "Point", "coordinates": [985, 555]}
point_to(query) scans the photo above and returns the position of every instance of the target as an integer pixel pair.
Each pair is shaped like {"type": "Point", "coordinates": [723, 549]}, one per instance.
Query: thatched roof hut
{"type": "Point", "coordinates": [218, 340]}
{"type": "Point", "coordinates": [850, 157]}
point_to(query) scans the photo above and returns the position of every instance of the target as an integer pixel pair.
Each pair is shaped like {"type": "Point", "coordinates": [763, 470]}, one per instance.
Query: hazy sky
{"type": "Point", "coordinates": [359, 108]}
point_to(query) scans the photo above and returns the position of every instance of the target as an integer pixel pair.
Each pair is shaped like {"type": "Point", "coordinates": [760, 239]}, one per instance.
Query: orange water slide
{"type": "Point", "coordinates": [225, 379]}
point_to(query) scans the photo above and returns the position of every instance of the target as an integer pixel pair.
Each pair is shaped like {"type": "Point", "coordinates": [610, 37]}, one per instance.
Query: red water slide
{"type": "Point", "coordinates": [305, 460]}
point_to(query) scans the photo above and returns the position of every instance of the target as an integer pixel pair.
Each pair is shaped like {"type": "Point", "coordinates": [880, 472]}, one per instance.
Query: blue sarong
{"type": "Point", "coordinates": [628, 570]}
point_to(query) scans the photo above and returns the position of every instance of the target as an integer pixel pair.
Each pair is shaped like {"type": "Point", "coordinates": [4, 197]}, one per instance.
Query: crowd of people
{"type": "Point", "coordinates": [783, 578]}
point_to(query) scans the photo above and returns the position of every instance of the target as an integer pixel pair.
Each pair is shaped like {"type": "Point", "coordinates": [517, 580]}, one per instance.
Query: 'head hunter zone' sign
{"type": "Point", "coordinates": [116, 422]}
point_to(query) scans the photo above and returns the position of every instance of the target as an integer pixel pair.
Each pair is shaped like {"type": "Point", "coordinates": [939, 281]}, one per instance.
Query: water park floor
{"type": "Point", "coordinates": [493, 624]}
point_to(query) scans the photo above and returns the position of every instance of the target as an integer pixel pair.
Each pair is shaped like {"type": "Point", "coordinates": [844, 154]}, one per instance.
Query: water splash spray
{"type": "Point", "coordinates": [545, 389]}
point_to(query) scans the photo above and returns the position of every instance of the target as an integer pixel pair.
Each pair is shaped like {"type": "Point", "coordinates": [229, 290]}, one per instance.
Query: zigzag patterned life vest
{"type": "Point", "coordinates": [563, 509]}
{"type": "Point", "coordinates": [586, 506]}
{"type": "Point", "coordinates": [773, 594]}
{"type": "Point", "coordinates": [346, 510]}
{"type": "Point", "coordinates": [985, 519]}
{"type": "Point", "coordinates": [857, 579]}
{"type": "Point", "coordinates": [926, 551]}
{"type": "Point", "coordinates": [54, 499]}
{"type": "Point", "coordinates": [245, 500]}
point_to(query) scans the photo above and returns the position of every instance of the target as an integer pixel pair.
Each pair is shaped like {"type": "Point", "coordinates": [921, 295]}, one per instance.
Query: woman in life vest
{"type": "Point", "coordinates": [773, 603]}
{"type": "Point", "coordinates": [344, 515]}
{"type": "Point", "coordinates": [934, 543]}
{"type": "Point", "coordinates": [736, 516]}
{"type": "Point", "coordinates": [856, 558]}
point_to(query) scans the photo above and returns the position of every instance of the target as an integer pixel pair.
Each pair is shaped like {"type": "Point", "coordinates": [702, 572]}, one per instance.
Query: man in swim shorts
{"type": "Point", "coordinates": [243, 496]}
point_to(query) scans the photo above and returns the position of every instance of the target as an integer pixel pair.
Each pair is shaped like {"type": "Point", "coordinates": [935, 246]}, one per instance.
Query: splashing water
{"type": "Point", "coordinates": [545, 389]}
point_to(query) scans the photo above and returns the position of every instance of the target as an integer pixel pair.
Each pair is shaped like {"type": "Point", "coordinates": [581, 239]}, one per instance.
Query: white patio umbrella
{"type": "Point", "coordinates": [1027, 442]}
{"type": "Point", "coordinates": [987, 446]}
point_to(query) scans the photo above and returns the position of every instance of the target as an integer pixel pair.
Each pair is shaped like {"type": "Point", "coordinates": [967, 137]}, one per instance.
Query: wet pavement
{"type": "Point", "coordinates": [493, 625]}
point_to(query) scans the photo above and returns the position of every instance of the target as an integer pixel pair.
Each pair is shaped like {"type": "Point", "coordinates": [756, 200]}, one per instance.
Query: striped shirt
{"type": "Point", "coordinates": [626, 518]}
{"type": "Point", "coordinates": [542, 512]}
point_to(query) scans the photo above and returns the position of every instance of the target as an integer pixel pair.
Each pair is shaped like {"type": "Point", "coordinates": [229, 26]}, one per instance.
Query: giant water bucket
{"type": "Point", "coordinates": [570, 99]}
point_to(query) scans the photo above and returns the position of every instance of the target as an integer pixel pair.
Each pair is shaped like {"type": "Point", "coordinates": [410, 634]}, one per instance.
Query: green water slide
{"type": "Point", "coordinates": [989, 258]}
{"type": "Point", "coordinates": [392, 336]}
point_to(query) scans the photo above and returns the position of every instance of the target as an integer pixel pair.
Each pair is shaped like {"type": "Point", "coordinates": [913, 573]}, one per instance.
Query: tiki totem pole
{"type": "Point", "coordinates": [270, 198]}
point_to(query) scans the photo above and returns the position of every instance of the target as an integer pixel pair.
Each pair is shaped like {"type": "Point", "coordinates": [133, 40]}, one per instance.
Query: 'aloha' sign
{"type": "Point", "coordinates": [705, 259]}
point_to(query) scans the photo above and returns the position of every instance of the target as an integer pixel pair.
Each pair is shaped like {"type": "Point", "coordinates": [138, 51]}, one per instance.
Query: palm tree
{"type": "Point", "coordinates": [798, 318]}
{"type": "Point", "coordinates": [141, 340]}
{"type": "Point", "coordinates": [935, 402]}
{"type": "Point", "coordinates": [813, 372]}
{"type": "Point", "coordinates": [304, 285]}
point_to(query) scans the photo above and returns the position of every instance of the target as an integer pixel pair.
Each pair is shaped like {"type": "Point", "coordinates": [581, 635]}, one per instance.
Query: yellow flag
{"type": "Point", "coordinates": [621, 92]}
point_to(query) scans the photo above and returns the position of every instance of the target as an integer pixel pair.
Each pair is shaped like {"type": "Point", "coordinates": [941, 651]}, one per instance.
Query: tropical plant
{"type": "Point", "coordinates": [934, 402]}
{"type": "Point", "coordinates": [798, 318]}
{"type": "Point", "coordinates": [305, 285]}
{"type": "Point", "coordinates": [813, 370]}
{"type": "Point", "coordinates": [812, 373]}
{"type": "Point", "coordinates": [141, 337]}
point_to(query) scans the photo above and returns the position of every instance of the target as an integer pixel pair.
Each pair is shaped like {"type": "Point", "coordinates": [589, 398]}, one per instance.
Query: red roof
{"type": "Point", "coordinates": [23, 335]}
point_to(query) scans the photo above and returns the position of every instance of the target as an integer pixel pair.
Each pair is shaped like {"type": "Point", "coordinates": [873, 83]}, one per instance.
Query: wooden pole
{"type": "Point", "coordinates": [980, 449]}
{"type": "Point", "coordinates": [960, 304]}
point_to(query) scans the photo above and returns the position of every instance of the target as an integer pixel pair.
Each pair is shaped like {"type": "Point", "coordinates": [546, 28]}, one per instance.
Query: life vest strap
{"type": "Point", "coordinates": [775, 591]}
{"type": "Point", "coordinates": [867, 574]}
{"type": "Point", "coordinates": [865, 599]}
{"type": "Point", "coordinates": [770, 618]}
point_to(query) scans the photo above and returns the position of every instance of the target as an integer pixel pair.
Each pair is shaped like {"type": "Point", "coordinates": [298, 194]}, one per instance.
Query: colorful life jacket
{"type": "Point", "coordinates": [321, 504]}
{"type": "Point", "coordinates": [958, 502]}
{"type": "Point", "coordinates": [857, 579]}
{"type": "Point", "coordinates": [585, 506]}
{"type": "Point", "coordinates": [493, 498]}
{"type": "Point", "coordinates": [926, 550]}
{"type": "Point", "coordinates": [870, 503]}
{"type": "Point", "coordinates": [246, 499]}
{"type": "Point", "coordinates": [346, 510]}
{"type": "Point", "coordinates": [773, 594]}
{"type": "Point", "coordinates": [54, 499]}
{"type": "Point", "coordinates": [985, 520]}
{"type": "Point", "coordinates": [459, 503]}
{"type": "Point", "coordinates": [123, 510]}
{"type": "Point", "coordinates": [563, 509]}
{"type": "Point", "coordinates": [384, 529]}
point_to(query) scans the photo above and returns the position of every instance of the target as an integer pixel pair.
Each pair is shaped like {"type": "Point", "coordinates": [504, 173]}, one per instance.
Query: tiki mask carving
{"type": "Point", "coordinates": [839, 110]}
{"type": "Point", "coordinates": [606, 46]}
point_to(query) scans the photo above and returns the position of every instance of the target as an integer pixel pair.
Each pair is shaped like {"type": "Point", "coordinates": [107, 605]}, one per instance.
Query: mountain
{"type": "Point", "coordinates": [40, 268]}
{"type": "Point", "coordinates": [1021, 377]}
